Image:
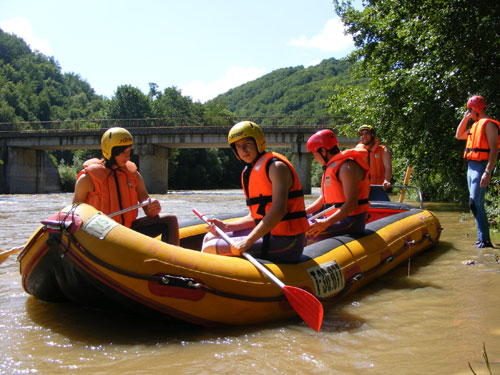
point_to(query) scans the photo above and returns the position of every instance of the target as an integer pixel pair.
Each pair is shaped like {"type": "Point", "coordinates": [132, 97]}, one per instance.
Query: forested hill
{"type": "Point", "coordinates": [32, 87]}
{"type": "Point", "coordinates": [294, 91]}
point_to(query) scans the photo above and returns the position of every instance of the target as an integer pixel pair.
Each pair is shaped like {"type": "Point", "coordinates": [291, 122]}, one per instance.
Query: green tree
{"type": "Point", "coordinates": [129, 103]}
{"type": "Point", "coordinates": [171, 103]}
{"type": "Point", "coordinates": [424, 58]}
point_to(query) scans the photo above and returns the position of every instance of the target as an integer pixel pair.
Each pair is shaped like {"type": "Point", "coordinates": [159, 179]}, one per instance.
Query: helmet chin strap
{"type": "Point", "coordinates": [324, 157]}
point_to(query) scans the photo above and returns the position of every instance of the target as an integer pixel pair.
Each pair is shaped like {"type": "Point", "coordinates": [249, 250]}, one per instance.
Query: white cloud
{"type": "Point", "coordinates": [313, 63]}
{"type": "Point", "coordinates": [23, 29]}
{"type": "Point", "coordinates": [331, 39]}
{"type": "Point", "coordinates": [234, 77]}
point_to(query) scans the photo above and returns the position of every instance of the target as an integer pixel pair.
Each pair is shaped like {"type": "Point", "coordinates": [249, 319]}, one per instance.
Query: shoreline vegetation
{"type": "Point", "coordinates": [410, 75]}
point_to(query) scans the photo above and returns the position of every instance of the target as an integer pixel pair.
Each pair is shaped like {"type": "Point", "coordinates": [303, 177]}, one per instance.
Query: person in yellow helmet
{"type": "Point", "coordinates": [481, 153]}
{"type": "Point", "coordinates": [113, 183]}
{"type": "Point", "coordinates": [379, 160]}
{"type": "Point", "coordinates": [275, 227]}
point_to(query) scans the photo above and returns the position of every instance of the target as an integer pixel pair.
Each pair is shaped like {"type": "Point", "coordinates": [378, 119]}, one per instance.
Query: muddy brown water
{"type": "Point", "coordinates": [430, 316]}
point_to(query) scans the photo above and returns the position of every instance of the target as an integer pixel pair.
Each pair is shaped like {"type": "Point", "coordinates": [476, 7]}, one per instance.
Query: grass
{"type": "Point", "coordinates": [486, 360]}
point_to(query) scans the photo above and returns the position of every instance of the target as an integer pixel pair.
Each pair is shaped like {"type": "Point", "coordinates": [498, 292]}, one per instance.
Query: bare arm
{"type": "Point", "coordinates": [386, 159]}
{"type": "Point", "coordinates": [154, 207]}
{"type": "Point", "coordinates": [315, 206]}
{"type": "Point", "coordinates": [462, 131]}
{"type": "Point", "coordinates": [243, 223]}
{"type": "Point", "coordinates": [281, 179]}
{"type": "Point", "coordinates": [491, 131]}
{"type": "Point", "coordinates": [83, 187]}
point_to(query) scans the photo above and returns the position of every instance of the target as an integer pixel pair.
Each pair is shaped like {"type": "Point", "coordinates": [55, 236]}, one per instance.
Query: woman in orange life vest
{"type": "Point", "coordinates": [113, 183]}
{"type": "Point", "coordinates": [345, 183]}
{"type": "Point", "coordinates": [276, 225]}
{"type": "Point", "coordinates": [379, 161]}
{"type": "Point", "coordinates": [481, 152]}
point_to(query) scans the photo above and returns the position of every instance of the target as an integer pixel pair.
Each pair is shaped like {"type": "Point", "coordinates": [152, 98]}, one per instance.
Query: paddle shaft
{"type": "Point", "coordinates": [407, 179]}
{"type": "Point", "coordinates": [322, 213]}
{"type": "Point", "coordinates": [141, 204]}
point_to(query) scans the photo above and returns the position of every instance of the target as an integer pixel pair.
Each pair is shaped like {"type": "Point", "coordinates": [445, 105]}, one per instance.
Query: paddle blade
{"type": "Point", "coordinates": [5, 254]}
{"type": "Point", "coordinates": [306, 305]}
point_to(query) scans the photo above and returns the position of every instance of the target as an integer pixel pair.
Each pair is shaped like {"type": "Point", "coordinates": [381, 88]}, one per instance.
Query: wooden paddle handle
{"type": "Point", "coordinates": [405, 183]}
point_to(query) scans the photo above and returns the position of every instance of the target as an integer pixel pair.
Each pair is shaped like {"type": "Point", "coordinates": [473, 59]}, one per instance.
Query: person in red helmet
{"type": "Point", "coordinates": [114, 183]}
{"type": "Point", "coordinates": [345, 184]}
{"type": "Point", "coordinates": [481, 153]}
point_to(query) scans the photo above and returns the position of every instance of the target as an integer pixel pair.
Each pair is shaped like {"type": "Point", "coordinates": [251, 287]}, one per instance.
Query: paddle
{"type": "Point", "coordinates": [304, 303]}
{"type": "Point", "coordinates": [4, 254]}
{"type": "Point", "coordinates": [321, 213]}
{"type": "Point", "coordinates": [141, 204]}
{"type": "Point", "coordinates": [405, 183]}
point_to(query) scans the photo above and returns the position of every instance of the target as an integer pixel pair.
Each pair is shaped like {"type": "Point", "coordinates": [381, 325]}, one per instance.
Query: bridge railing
{"type": "Point", "coordinates": [95, 124]}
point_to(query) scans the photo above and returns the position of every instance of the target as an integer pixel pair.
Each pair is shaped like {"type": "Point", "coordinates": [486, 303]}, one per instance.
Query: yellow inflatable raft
{"type": "Point", "coordinates": [83, 256]}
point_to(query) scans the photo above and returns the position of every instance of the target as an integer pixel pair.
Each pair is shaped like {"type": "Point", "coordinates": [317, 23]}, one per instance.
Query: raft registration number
{"type": "Point", "coordinates": [327, 278]}
{"type": "Point", "coordinates": [99, 226]}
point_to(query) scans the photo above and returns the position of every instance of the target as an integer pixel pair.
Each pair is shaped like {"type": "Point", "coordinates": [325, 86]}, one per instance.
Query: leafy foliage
{"type": "Point", "coordinates": [32, 87]}
{"type": "Point", "coordinates": [424, 59]}
{"type": "Point", "coordinates": [294, 91]}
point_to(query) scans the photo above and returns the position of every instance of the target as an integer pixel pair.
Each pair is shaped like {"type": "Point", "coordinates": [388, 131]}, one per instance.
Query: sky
{"type": "Point", "coordinates": [202, 47]}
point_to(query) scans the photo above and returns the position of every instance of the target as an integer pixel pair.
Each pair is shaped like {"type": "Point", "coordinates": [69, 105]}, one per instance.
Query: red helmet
{"type": "Point", "coordinates": [477, 103]}
{"type": "Point", "coordinates": [324, 138]}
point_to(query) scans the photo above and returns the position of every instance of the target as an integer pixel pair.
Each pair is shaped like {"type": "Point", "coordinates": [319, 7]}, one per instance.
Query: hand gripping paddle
{"type": "Point", "coordinates": [303, 302]}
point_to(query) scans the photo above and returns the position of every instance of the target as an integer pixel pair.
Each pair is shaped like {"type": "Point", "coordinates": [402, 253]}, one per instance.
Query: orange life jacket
{"type": "Point", "coordinates": [106, 197]}
{"type": "Point", "coordinates": [477, 147]}
{"type": "Point", "coordinates": [332, 189]}
{"type": "Point", "coordinates": [375, 161]}
{"type": "Point", "coordinates": [259, 193]}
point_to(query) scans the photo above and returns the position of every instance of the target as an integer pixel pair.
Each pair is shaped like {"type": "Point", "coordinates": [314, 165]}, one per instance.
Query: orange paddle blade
{"type": "Point", "coordinates": [306, 305]}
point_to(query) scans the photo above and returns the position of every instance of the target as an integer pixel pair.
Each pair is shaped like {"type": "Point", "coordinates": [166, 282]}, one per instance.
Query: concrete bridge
{"type": "Point", "coordinates": [24, 168]}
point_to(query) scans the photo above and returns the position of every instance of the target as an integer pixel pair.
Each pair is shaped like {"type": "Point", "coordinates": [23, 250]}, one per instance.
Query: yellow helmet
{"type": "Point", "coordinates": [370, 128]}
{"type": "Point", "coordinates": [115, 137]}
{"type": "Point", "coordinates": [245, 129]}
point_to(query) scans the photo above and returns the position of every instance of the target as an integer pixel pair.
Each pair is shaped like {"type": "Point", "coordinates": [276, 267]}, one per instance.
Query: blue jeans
{"type": "Point", "coordinates": [476, 198]}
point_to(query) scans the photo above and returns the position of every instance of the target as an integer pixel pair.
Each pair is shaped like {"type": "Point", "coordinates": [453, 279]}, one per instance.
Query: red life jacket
{"type": "Point", "coordinates": [109, 198]}
{"type": "Point", "coordinates": [331, 188]}
{"type": "Point", "coordinates": [259, 192]}
{"type": "Point", "coordinates": [375, 161]}
{"type": "Point", "coordinates": [477, 147]}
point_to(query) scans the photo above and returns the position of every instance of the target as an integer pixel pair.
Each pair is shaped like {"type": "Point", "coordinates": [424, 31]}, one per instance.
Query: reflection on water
{"type": "Point", "coordinates": [433, 322]}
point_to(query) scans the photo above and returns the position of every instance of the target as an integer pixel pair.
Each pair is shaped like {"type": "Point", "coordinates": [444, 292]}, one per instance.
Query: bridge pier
{"type": "Point", "coordinates": [302, 163]}
{"type": "Point", "coordinates": [25, 171]}
{"type": "Point", "coordinates": [153, 166]}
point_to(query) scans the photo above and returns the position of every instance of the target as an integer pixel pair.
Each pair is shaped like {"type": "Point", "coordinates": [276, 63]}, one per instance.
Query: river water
{"type": "Point", "coordinates": [430, 316]}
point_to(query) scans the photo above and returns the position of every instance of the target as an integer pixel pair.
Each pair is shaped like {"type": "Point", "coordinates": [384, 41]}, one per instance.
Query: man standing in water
{"type": "Point", "coordinates": [481, 152]}
{"type": "Point", "coordinates": [276, 225]}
